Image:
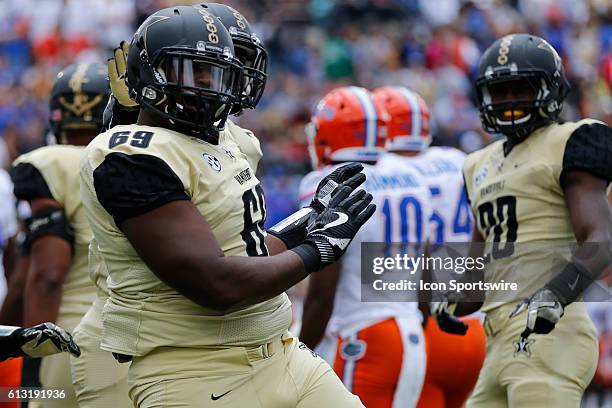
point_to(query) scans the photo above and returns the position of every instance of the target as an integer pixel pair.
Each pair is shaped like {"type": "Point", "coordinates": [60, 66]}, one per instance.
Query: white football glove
{"type": "Point", "coordinates": [544, 310]}
{"type": "Point", "coordinates": [38, 341]}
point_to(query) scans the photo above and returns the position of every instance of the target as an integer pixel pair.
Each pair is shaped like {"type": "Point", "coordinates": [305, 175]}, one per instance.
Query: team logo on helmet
{"type": "Point", "coordinates": [504, 49]}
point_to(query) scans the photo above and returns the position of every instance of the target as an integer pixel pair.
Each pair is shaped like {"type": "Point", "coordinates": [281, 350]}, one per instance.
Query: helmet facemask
{"type": "Point", "coordinates": [254, 58]}
{"type": "Point", "coordinates": [517, 104]}
{"type": "Point", "coordinates": [194, 91]}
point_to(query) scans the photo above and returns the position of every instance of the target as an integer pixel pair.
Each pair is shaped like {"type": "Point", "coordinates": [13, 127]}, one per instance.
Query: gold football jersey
{"type": "Point", "coordinates": [58, 165]}
{"type": "Point", "coordinates": [519, 198]}
{"type": "Point", "coordinates": [131, 169]}
{"type": "Point", "coordinates": [247, 142]}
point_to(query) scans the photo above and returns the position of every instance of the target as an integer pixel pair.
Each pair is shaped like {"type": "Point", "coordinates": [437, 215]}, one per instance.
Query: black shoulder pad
{"type": "Point", "coordinates": [131, 185]}
{"type": "Point", "coordinates": [589, 149]}
{"type": "Point", "coordinates": [29, 183]}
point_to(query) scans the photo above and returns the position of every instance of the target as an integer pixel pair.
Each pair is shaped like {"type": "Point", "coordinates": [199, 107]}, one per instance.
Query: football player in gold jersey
{"type": "Point", "coordinates": [58, 288]}
{"type": "Point", "coordinates": [109, 386]}
{"type": "Point", "coordinates": [535, 194]}
{"type": "Point", "coordinates": [196, 298]}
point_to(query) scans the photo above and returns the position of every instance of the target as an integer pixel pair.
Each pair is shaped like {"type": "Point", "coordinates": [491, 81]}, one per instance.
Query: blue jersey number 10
{"type": "Point", "coordinates": [404, 205]}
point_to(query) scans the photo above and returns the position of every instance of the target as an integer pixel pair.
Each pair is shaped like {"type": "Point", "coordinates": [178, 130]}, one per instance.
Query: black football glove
{"type": "Point", "coordinates": [441, 308]}
{"type": "Point", "coordinates": [292, 230]}
{"type": "Point", "coordinates": [38, 341]}
{"type": "Point", "coordinates": [348, 175]}
{"type": "Point", "coordinates": [331, 232]}
{"type": "Point", "coordinates": [544, 310]}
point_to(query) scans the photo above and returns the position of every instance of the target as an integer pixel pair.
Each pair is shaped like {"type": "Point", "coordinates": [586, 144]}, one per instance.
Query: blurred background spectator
{"type": "Point", "coordinates": [432, 47]}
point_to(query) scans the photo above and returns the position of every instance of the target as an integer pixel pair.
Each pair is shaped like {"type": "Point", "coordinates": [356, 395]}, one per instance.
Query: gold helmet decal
{"type": "Point", "coordinates": [80, 105]}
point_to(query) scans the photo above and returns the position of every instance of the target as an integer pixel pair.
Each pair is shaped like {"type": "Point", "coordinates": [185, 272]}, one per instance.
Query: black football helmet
{"type": "Point", "coordinates": [181, 65]}
{"type": "Point", "coordinates": [515, 62]}
{"type": "Point", "coordinates": [78, 98]}
{"type": "Point", "coordinates": [250, 52]}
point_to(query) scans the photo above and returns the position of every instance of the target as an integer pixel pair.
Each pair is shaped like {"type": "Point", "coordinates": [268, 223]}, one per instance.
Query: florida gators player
{"type": "Point", "coordinates": [407, 144]}
{"type": "Point", "coordinates": [380, 352]}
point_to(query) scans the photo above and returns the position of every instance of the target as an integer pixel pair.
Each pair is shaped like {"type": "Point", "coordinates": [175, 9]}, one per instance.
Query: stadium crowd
{"type": "Point", "coordinates": [431, 47]}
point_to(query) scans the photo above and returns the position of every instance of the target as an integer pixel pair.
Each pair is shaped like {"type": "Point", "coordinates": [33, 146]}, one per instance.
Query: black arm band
{"type": "Point", "coordinates": [48, 221]}
{"type": "Point", "coordinates": [292, 230]}
{"type": "Point", "coordinates": [570, 283]}
{"type": "Point", "coordinates": [310, 256]}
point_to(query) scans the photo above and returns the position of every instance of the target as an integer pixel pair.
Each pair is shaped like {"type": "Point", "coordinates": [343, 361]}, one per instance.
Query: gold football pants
{"type": "Point", "coordinates": [282, 373]}
{"type": "Point", "coordinates": [546, 370]}
{"type": "Point", "coordinates": [99, 380]}
{"type": "Point", "coordinates": [55, 372]}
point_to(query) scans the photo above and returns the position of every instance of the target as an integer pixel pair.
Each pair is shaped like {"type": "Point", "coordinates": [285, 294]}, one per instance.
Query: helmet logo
{"type": "Point", "coordinates": [152, 19]}
{"type": "Point", "coordinates": [240, 21]}
{"type": "Point", "coordinates": [213, 37]}
{"type": "Point", "coordinates": [544, 45]}
{"type": "Point", "coordinates": [326, 112]}
{"type": "Point", "coordinates": [80, 105]}
{"type": "Point", "coordinates": [78, 78]}
{"type": "Point", "coordinates": [504, 49]}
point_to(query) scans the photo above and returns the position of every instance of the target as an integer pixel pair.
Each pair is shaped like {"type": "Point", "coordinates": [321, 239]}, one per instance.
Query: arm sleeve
{"type": "Point", "coordinates": [131, 185]}
{"type": "Point", "coordinates": [28, 182]}
{"type": "Point", "coordinates": [589, 149]}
